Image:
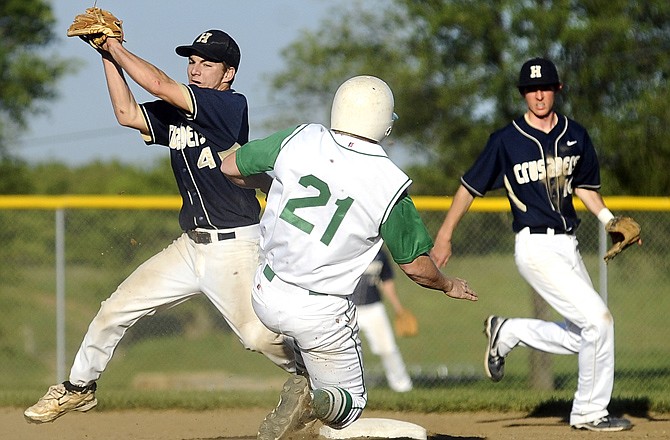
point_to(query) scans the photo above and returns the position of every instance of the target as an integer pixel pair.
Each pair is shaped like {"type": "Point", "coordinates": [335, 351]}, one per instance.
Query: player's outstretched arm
{"type": "Point", "coordinates": [148, 76]}
{"type": "Point", "coordinates": [424, 273]}
{"type": "Point", "coordinates": [125, 107]}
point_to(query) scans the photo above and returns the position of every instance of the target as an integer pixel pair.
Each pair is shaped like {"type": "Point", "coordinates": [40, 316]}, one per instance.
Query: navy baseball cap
{"type": "Point", "coordinates": [213, 45]}
{"type": "Point", "coordinates": [538, 72]}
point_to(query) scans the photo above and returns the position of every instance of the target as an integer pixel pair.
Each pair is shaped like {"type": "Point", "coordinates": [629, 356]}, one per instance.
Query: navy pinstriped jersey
{"type": "Point", "coordinates": [538, 170]}
{"type": "Point", "coordinates": [366, 291]}
{"type": "Point", "coordinates": [220, 119]}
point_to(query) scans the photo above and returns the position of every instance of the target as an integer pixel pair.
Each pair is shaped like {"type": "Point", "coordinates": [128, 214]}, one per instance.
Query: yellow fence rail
{"type": "Point", "coordinates": [423, 203]}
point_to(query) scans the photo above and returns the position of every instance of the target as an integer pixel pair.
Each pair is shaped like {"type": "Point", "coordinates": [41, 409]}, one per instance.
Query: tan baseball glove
{"type": "Point", "coordinates": [405, 324]}
{"type": "Point", "coordinates": [624, 232]}
{"type": "Point", "coordinates": [96, 25]}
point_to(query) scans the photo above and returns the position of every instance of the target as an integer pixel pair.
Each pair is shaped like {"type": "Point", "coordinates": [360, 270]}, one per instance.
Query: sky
{"type": "Point", "coordinates": [79, 126]}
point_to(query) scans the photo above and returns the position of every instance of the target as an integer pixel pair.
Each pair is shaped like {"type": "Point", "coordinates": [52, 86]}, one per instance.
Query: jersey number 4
{"type": "Point", "coordinates": [288, 213]}
{"type": "Point", "coordinates": [206, 159]}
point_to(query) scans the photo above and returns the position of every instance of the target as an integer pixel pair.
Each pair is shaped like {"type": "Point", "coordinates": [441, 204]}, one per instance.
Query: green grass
{"type": "Point", "coordinates": [192, 338]}
{"type": "Point", "coordinates": [478, 396]}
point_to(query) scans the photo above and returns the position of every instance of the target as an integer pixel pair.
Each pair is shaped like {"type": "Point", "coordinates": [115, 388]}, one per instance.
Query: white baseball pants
{"type": "Point", "coordinates": [223, 271]}
{"type": "Point", "coordinates": [325, 333]}
{"type": "Point", "coordinates": [553, 266]}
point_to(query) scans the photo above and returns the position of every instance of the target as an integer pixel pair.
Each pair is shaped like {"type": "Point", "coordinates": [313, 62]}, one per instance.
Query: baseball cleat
{"type": "Point", "coordinates": [61, 399]}
{"type": "Point", "coordinates": [293, 412]}
{"type": "Point", "coordinates": [605, 424]}
{"type": "Point", "coordinates": [494, 365]}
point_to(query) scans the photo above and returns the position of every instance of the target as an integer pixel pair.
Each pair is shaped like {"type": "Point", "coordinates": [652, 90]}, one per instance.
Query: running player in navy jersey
{"type": "Point", "coordinates": [542, 159]}
{"type": "Point", "coordinates": [217, 254]}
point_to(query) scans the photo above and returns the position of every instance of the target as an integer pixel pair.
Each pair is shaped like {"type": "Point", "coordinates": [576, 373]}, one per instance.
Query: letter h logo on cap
{"type": "Point", "coordinates": [536, 71]}
{"type": "Point", "coordinates": [203, 38]}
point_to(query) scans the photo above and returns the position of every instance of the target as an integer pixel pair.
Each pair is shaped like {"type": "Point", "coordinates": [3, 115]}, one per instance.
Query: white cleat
{"type": "Point", "coordinates": [60, 400]}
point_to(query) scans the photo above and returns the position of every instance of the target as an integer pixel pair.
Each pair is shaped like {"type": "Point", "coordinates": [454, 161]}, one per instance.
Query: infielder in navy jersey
{"type": "Point", "coordinates": [217, 254]}
{"type": "Point", "coordinates": [541, 159]}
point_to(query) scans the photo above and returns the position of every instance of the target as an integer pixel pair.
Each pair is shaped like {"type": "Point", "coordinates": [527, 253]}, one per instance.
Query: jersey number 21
{"type": "Point", "coordinates": [288, 213]}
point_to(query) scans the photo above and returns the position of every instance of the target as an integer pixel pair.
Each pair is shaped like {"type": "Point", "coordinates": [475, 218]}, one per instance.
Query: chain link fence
{"type": "Point", "coordinates": [62, 257]}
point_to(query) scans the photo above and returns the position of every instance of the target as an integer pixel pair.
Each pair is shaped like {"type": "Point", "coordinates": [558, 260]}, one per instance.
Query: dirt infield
{"type": "Point", "coordinates": [233, 424]}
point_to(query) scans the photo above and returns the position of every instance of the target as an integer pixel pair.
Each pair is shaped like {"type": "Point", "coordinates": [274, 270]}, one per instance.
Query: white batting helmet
{"type": "Point", "coordinates": [363, 106]}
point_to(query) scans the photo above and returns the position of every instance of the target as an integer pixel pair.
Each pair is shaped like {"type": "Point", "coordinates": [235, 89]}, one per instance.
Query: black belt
{"type": "Point", "coordinates": [543, 230]}
{"type": "Point", "coordinates": [202, 237]}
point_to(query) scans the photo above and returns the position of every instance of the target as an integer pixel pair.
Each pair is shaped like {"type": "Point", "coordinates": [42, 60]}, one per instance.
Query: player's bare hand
{"type": "Point", "coordinates": [461, 290]}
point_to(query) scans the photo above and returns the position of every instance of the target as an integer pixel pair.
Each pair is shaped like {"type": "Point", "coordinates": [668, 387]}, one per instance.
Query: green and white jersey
{"type": "Point", "coordinates": [329, 197]}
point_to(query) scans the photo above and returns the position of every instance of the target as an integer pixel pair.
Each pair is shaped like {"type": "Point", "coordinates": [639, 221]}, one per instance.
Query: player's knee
{"type": "Point", "coordinates": [600, 328]}
{"type": "Point", "coordinates": [605, 322]}
{"type": "Point", "coordinates": [259, 338]}
{"type": "Point", "coordinates": [108, 310]}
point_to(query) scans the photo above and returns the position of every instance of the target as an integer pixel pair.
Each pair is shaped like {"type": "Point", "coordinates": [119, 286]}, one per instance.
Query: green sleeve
{"type": "Point", "coordinates": [259, 156]}
{"type": "Point", "coordinates": [404, 232]}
